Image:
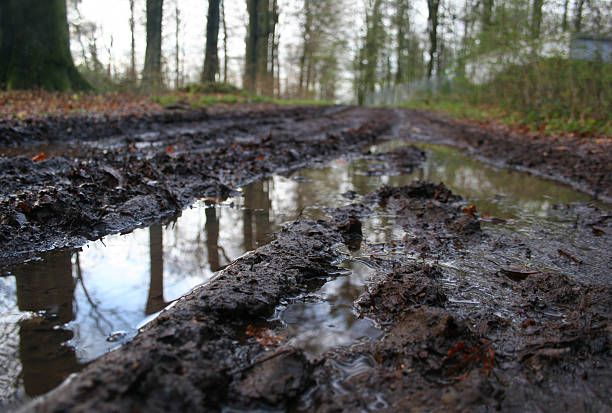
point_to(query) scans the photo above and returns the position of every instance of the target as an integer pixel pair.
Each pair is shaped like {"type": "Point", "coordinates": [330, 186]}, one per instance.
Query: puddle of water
{"type": "Point", "coordinates": [319, 322]}
{"type": "Point", "coordinates": [72, 306]}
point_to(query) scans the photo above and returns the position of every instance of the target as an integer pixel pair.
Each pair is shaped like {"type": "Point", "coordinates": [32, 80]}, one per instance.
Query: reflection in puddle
{"type": "Point", "coordinates": [326, 320]}
{"type": "Point", "coordinates": [69, 308]}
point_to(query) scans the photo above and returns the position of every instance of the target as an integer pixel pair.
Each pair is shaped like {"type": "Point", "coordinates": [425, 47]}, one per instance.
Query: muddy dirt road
{"type": "Point", "coordinates": [381, 294]}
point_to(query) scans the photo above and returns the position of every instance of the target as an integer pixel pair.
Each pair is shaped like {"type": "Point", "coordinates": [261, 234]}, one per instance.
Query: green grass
{"type": "Point", "coordinates": [547, 122]}
{"type": "Point", "coordinates": [305, 102]}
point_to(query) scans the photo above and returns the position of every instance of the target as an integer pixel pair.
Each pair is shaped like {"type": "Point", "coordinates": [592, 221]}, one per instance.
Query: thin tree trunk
{"type": "Point", "coordinates": [224, 42]}
{"type": "Point", "coordinates": [250, 66]}
{"type": "Point", "coordinates": [177, 22]}
{"type": "Point", "coordinates": [432, 28]}
{"type": "Point", "coordinates": [487, 13]}
{"type": "Point", "coordinates": [151, 77]}
{"type": "Point", "coordinates": [564, 23]}
{"type": "Point", "coordinates": [536, 18]}
{"type": "Point", "coordinates": [132, 22]}
{"type": "Point", "coordinates": [578, 17]}
{"type": "Point", "coordinates": [263, 15]}
{"type": "Point", "coordinates": [211, 56]}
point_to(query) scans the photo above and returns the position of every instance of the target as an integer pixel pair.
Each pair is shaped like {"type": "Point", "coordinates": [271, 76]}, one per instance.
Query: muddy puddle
{"type": "Point", "coordinates": [69, 307]}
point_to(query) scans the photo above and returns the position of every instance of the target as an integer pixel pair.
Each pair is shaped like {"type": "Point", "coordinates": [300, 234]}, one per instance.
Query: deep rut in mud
{"type": "Point", "coordinates": [385, 294]}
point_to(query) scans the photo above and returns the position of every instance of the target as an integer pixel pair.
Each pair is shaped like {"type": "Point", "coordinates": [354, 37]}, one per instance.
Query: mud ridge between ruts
{"type": "Point", "coordinates": [435, 354]}
{"type": "Point", "coordinates": [583, 163]}
{"type": "Point", "coordinates": [94, 191]}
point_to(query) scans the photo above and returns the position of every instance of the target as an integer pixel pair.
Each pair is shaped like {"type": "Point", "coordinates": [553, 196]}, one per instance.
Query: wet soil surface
{"type": "Point", "coordinates": [583, 162]}
{"type": "Point", "coordinates": [458, 311]}
{"type": "Point", "coordinates": [499, 337]}
{"type": "Point", "coordinates": [92, 188]}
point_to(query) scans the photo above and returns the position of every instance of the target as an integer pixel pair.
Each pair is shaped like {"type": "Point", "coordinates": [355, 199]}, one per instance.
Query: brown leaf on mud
{"type": "Point", "coordinates": [264, 336]}
{"type": "Point", "coordinates": [570, 256]}
{"type": "Point", "coordinates": [115, 174]}
{"type": "Point", "coordinates": [464, 358]}
{"type": "Point", "coordinates": [469, 210]}
{"type": "Point", "coordinates": [169, 149]}
{"type": "Point", "coordinates": [598, 231]}
{"type": "Point", "coordinates": [517, 272]}
{"type": "Point", "coordinates": [40, 157]}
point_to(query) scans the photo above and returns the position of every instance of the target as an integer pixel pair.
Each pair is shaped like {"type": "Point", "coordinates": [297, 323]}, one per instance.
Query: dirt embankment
{"type": "Point", "coordinates": [538, 342]}
{"type": "Point", "coordinates": [583, 162]}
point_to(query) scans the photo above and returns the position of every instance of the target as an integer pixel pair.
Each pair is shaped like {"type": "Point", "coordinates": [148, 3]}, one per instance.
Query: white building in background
{"type": "Point", "coordinates": [588, 47]}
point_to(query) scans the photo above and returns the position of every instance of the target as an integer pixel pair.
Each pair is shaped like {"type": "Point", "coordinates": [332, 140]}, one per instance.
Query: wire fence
{"type": "Point", "coordinates": [398, 94]}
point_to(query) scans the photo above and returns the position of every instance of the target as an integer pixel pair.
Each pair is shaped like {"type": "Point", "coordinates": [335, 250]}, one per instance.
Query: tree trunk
{"type": "Point", "coordinates": [34, 47]}
{"type": "Point", "coordinates": [578, 17]}
{"type": "Point", "coordinates": [132, 22]}
{"type": "Point", "coordinates": [250, 64]}
{"type": "Point", "coordinates": [151, 76]}
{"type": "Point", "coordinates": [262, 19]}
{"type": "Point", "coordinates": [224, 42]}
{"type": "Point", "coordinates": [263, 15]}
{"type": "Point", "coordinates": [211, 56]}
{"type": "Point", "coordinates": [402, 24]}
{"type": "Point", "coordinates": [487, 13]}
{"type": "Point", "coordinates": [536, 18]}
{"type": "Point", "coordinates": [432, 29]}
{"type": "Point", "coordinates": [374, 42]}
{"type": "Point", "coordinates": [177, 56]}
{"type": "Point", "coordinates": [564, 23]}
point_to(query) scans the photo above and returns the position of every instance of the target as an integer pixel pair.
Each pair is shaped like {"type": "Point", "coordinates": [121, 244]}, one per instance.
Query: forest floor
{"type": "Point", "coordinates": [537, 341]}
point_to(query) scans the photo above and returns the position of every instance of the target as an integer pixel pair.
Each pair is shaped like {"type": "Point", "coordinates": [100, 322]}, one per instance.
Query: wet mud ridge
{"type": "Point", "coordinates": [501, 337]}
{"type": "Point", "coordinates": [90, 189]}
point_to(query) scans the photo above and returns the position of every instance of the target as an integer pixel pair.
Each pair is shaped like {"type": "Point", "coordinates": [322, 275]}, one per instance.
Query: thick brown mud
{"type": "Point", "coordinates": [87, 191]}
{"type": "Point", "coordinates": [461, 311]}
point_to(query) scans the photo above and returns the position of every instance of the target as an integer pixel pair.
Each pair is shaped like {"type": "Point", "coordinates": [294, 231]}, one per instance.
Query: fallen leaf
{"type": "Point", "coordinates": [570, 256]}
{"type": "Point", "coordinates": [463, 358]}
{"type": "Point", "coordinates": [169, 149]}
{"type": "Point", "coordinates": [517, 273]}
{"type": "Point", "coordinates": [263, 336]}
{"type": "Point", "coordinates": [40, 157]}
{"type": "Point", "coordinates": [469, 210]}
{"type": "Point", "coordinates": [598, 230]}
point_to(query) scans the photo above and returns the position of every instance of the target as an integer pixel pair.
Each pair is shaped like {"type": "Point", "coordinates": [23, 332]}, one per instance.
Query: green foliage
{"type": "Point", "coordinates": [303, 102]}
{"type": "Point", "coordinates": [553, 87]}
{"type": "Point", "coordinates": [209, 100]}
{"type": "Point", "coordinates": [532, 118]}
{"type": "Point", "coordinates": [212, 88]}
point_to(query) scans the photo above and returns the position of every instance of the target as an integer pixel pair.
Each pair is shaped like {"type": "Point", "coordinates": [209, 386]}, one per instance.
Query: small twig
{"type": "Point", "coordinates": [262, 360]}
{"type": "Point", "coordinates": [570, 256]}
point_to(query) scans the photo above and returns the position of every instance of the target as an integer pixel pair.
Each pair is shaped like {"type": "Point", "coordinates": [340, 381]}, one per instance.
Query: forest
{"type": "Point", "coordinates": [543, 64]}
{"type": "Point", "coordinates": [305, 205]}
